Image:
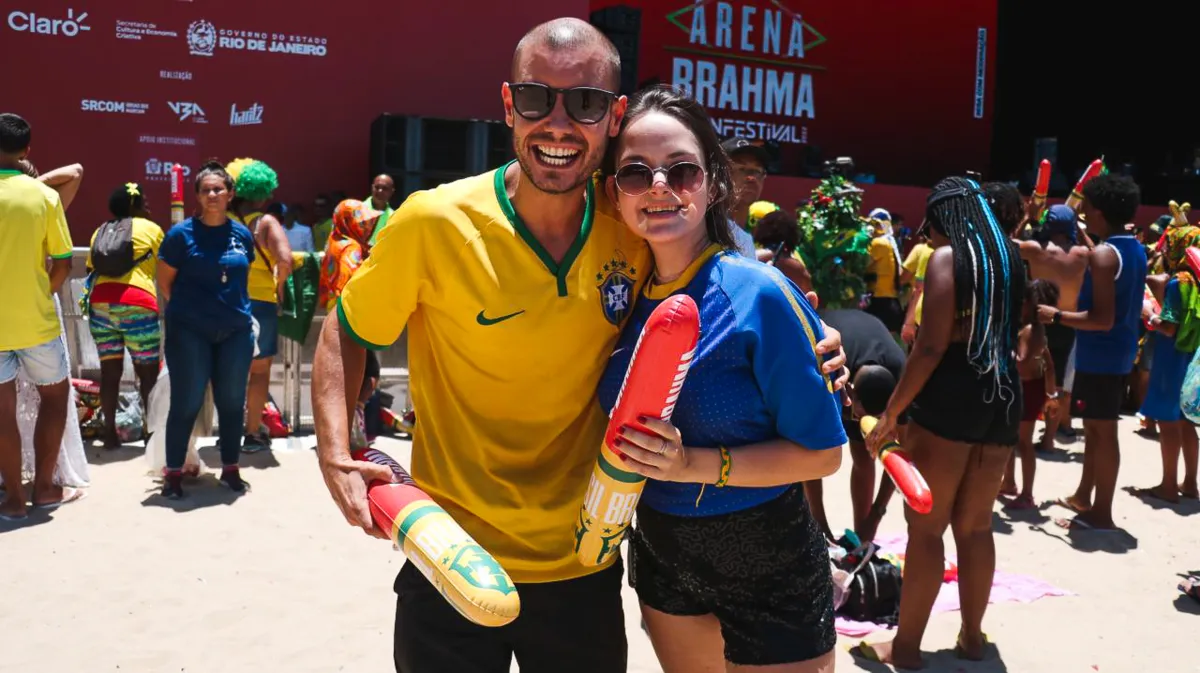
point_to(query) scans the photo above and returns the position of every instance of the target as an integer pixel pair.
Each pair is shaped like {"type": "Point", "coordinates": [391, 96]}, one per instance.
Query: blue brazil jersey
{"type": "Point", "coordinates": [754, 377]}
{"type": "Point", "coordinates": [1114, 350]}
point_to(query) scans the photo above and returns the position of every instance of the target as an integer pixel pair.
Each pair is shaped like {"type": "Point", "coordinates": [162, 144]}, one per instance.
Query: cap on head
{"type": "Point", "coordinates": [741, 146]}
{"type": "Point", "coordinates": [1060, 221]}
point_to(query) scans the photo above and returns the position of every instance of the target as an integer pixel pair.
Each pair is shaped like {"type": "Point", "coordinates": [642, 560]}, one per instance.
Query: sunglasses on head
{"type": "Point", "coordinates": [637, 179]}
{"type": "Point", "coordinates": [584, 104]}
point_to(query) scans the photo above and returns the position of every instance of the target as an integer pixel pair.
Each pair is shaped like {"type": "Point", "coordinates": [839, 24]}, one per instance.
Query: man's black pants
{"type": "Point", "coordinates": [575, 626]}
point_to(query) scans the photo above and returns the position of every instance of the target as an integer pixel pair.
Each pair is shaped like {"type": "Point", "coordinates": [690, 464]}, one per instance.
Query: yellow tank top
{"type": "Point", "coordinates": [261, 282]}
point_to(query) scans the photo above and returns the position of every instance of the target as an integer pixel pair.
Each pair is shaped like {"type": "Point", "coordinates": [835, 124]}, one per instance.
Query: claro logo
{"type": "Point", "coordinates": [28, 22]}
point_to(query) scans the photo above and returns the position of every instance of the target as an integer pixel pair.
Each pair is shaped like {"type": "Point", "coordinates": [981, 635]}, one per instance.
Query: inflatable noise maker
{"type": "Point", "coordinates": [1042, 186]}
{"type": "Point", "coordinates": [461, 570]}
{"type": "Point", "coordinates": [659, 365]}
{"type": "Point", "coordinates": [1076, 197]}
{"type": "Point", "coordinates": [902, 471]}
{"type": "Point", "coordinates": [176, 194]}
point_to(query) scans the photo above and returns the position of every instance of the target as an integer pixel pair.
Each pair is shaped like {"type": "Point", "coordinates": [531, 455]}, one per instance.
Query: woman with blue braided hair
{"type": "Point", "coordinates": [962, 392]}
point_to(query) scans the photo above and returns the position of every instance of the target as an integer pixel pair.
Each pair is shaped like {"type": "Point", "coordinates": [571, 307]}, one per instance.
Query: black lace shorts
{"type": "Point", "coordinates": [762, 572]}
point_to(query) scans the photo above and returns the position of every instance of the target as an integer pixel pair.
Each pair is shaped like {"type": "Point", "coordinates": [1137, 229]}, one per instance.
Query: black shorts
{"type": "Point", "coordinates": [959, 404]}
{"type": "Point", "coordinates": [762, 572]}
{"type": "Point", "coordinates": [1060, 340]}
{"type": "Point", "coordinates": [888, 310]}
{"type": "Point", "coordinates": [1098, 397]}
{"type": "Point", "coordinates": [574, 625]}
{"type": "Point", "coordinates": [371, 370]}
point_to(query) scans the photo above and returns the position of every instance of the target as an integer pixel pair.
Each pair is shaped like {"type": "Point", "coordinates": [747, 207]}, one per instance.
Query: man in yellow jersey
{"type": "Point", "coordinates": [883, 273]}
{"type": "Point", "coordinates": [514, 286]}
{"type": "Point", "coordinates": [32, 228]}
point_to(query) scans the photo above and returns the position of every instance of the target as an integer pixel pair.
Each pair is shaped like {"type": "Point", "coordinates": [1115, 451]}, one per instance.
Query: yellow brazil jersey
{"type": "Point", "coordinates": [913, 261]}
{"type": "Point", "coordinates": [883, 265]}
{"type": "Point", "coordinates": [147, 236]}
{"type": "Point", "coordinates": [261, 281]}
{"type": "Point", "coordinates": [919, 274]}
{"type": "Point", "coordinates": [33, 226]}
{"type": "Point", "coordinates": [506, 348]}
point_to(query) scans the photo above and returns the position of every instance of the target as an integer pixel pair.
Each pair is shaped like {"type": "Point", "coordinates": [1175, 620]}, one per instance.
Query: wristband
{"type": "Point", "coordinates": [1058, 317]}
{"type": "Point", "coordinates": [726, 464]}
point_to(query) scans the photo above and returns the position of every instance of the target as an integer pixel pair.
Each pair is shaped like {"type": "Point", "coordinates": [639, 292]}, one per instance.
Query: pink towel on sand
{"type": "Point", "coordinates": [1006, 588]}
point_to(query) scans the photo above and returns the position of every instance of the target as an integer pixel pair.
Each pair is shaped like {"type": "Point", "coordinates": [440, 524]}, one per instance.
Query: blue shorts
{"type": "Point", "coordinates": [43, 365]}
{"type": "Point", "coordinates": [265, 313]}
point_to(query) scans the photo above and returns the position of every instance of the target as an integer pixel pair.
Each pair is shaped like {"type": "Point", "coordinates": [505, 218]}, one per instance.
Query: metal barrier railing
{"type": "Point", "coordinates": [293, 366]}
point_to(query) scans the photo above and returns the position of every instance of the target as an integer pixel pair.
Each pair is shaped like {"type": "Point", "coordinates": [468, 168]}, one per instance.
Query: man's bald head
{"type": "Point", "coordinates": [568, 34]}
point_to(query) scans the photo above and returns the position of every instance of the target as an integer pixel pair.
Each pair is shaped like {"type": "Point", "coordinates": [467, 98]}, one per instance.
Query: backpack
{"type": "Point", "coordinates": [873, 588]}
{"type": "Point", "coordinates": [112, 249]}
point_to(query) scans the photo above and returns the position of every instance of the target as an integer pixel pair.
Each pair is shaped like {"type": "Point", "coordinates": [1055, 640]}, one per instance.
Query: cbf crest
{"type": "Point", "coordinates": [616, 283]}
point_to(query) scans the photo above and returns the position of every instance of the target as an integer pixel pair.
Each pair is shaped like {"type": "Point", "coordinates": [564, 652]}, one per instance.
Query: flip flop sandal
{"type": "Point", "coordinates": [69, 495]}
{"type": "Point", "coordinates": [1066, 504]}
{"type": "Point", "coordinates": [1075, 523]}
{"type": "Point", "coordinates": [13, 517]}
{"type": "Point", "coordinates": [1191, 589]}
{"type": "Point", "coordinates": [866, 651]}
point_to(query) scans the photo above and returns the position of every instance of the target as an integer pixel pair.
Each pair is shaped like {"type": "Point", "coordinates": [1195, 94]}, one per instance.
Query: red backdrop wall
{"type": "Point", "coordinates": [138, 58]}
{"type": "Point", "coordinates": [892, 84]}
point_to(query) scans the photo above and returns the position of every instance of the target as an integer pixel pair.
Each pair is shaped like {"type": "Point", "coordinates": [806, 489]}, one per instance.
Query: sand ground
{"type": "Point", "coordinates": [276, 581]}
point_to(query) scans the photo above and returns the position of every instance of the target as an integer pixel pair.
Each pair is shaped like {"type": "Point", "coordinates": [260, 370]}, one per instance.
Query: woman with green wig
{"type": "Point", "coordinates": [254, 184]}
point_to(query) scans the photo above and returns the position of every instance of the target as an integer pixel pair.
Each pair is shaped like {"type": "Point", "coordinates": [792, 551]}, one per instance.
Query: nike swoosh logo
{"type": "Point", "coordinates": [485, 321]}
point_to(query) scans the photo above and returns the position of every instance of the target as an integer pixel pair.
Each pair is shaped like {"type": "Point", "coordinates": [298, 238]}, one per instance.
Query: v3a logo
{"type": "Point", "coordinates": [187, 110]}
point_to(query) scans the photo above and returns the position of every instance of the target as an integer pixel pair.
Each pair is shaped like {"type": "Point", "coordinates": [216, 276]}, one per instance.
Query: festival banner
{"type": "Point", "coordinates": [903, 87]}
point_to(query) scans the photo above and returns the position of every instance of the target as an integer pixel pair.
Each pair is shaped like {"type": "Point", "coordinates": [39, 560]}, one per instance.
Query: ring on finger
{"type": "Point", "coordinates": [662, 446]}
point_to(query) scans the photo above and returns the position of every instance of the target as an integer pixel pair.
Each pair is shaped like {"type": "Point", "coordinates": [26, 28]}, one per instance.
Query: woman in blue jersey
{"type": "Point", "coordinates": [727, 561]}
{"type": "Point", "coordinates": [962, 393]}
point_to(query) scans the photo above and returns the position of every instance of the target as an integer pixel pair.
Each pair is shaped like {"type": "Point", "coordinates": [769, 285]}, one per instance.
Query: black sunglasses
{"type": "Point", "coordinates": [637, 179]}
{"type": "Point", "coordinates": [584, 104]}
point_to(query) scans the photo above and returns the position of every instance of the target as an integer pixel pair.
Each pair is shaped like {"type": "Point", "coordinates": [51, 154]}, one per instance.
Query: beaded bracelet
{"type": "Point", "coordinates": [726, 464]}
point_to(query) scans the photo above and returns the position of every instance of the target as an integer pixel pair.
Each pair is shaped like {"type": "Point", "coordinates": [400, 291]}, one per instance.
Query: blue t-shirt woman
{"type": "Point", "coordinates": [204, 263]}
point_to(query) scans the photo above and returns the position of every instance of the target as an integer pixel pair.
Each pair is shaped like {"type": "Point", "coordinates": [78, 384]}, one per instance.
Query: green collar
{"type": "Point", "coordinates": [10, 171]}
{"type": "Point", "coordinates": [558, 269]}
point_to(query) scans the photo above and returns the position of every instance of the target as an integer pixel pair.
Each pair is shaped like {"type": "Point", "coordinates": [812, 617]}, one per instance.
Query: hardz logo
{"type": "Point", "coordinates": [616, 283]}
{"type": "Point", "coordinates": [251, 115]}
{"type": "Point", "coordinates": [186, 111]}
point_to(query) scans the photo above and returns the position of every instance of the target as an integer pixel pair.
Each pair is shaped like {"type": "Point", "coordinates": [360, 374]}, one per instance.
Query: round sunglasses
{"type": "Point", "coordinates": [586, 105]}
{"type": "Point", "coordinates": [636, 179]}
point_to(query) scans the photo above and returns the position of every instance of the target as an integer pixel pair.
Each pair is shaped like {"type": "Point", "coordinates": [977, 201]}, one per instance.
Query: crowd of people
{"type": "Point", "coordinates": [525, 291]}
{"type": "Point", "coordinates": [226, 268]}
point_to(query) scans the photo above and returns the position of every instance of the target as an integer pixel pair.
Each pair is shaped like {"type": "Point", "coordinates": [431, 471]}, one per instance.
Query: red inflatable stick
{"type": "Point", "coordinates": [1193, 260]}
{"type": "Point", "coordinates": [652, 384]}
{"type": "Point", "coordinates": [176, 194]}
{"type": "Point", "coordinates": [463, 572]}
{"type": "Point", "coordinates": [1042, 187]}
{"type": "Point", "coordinates": [902, 471]}
{"type": "Point", "coordinates": [1076, 196]}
